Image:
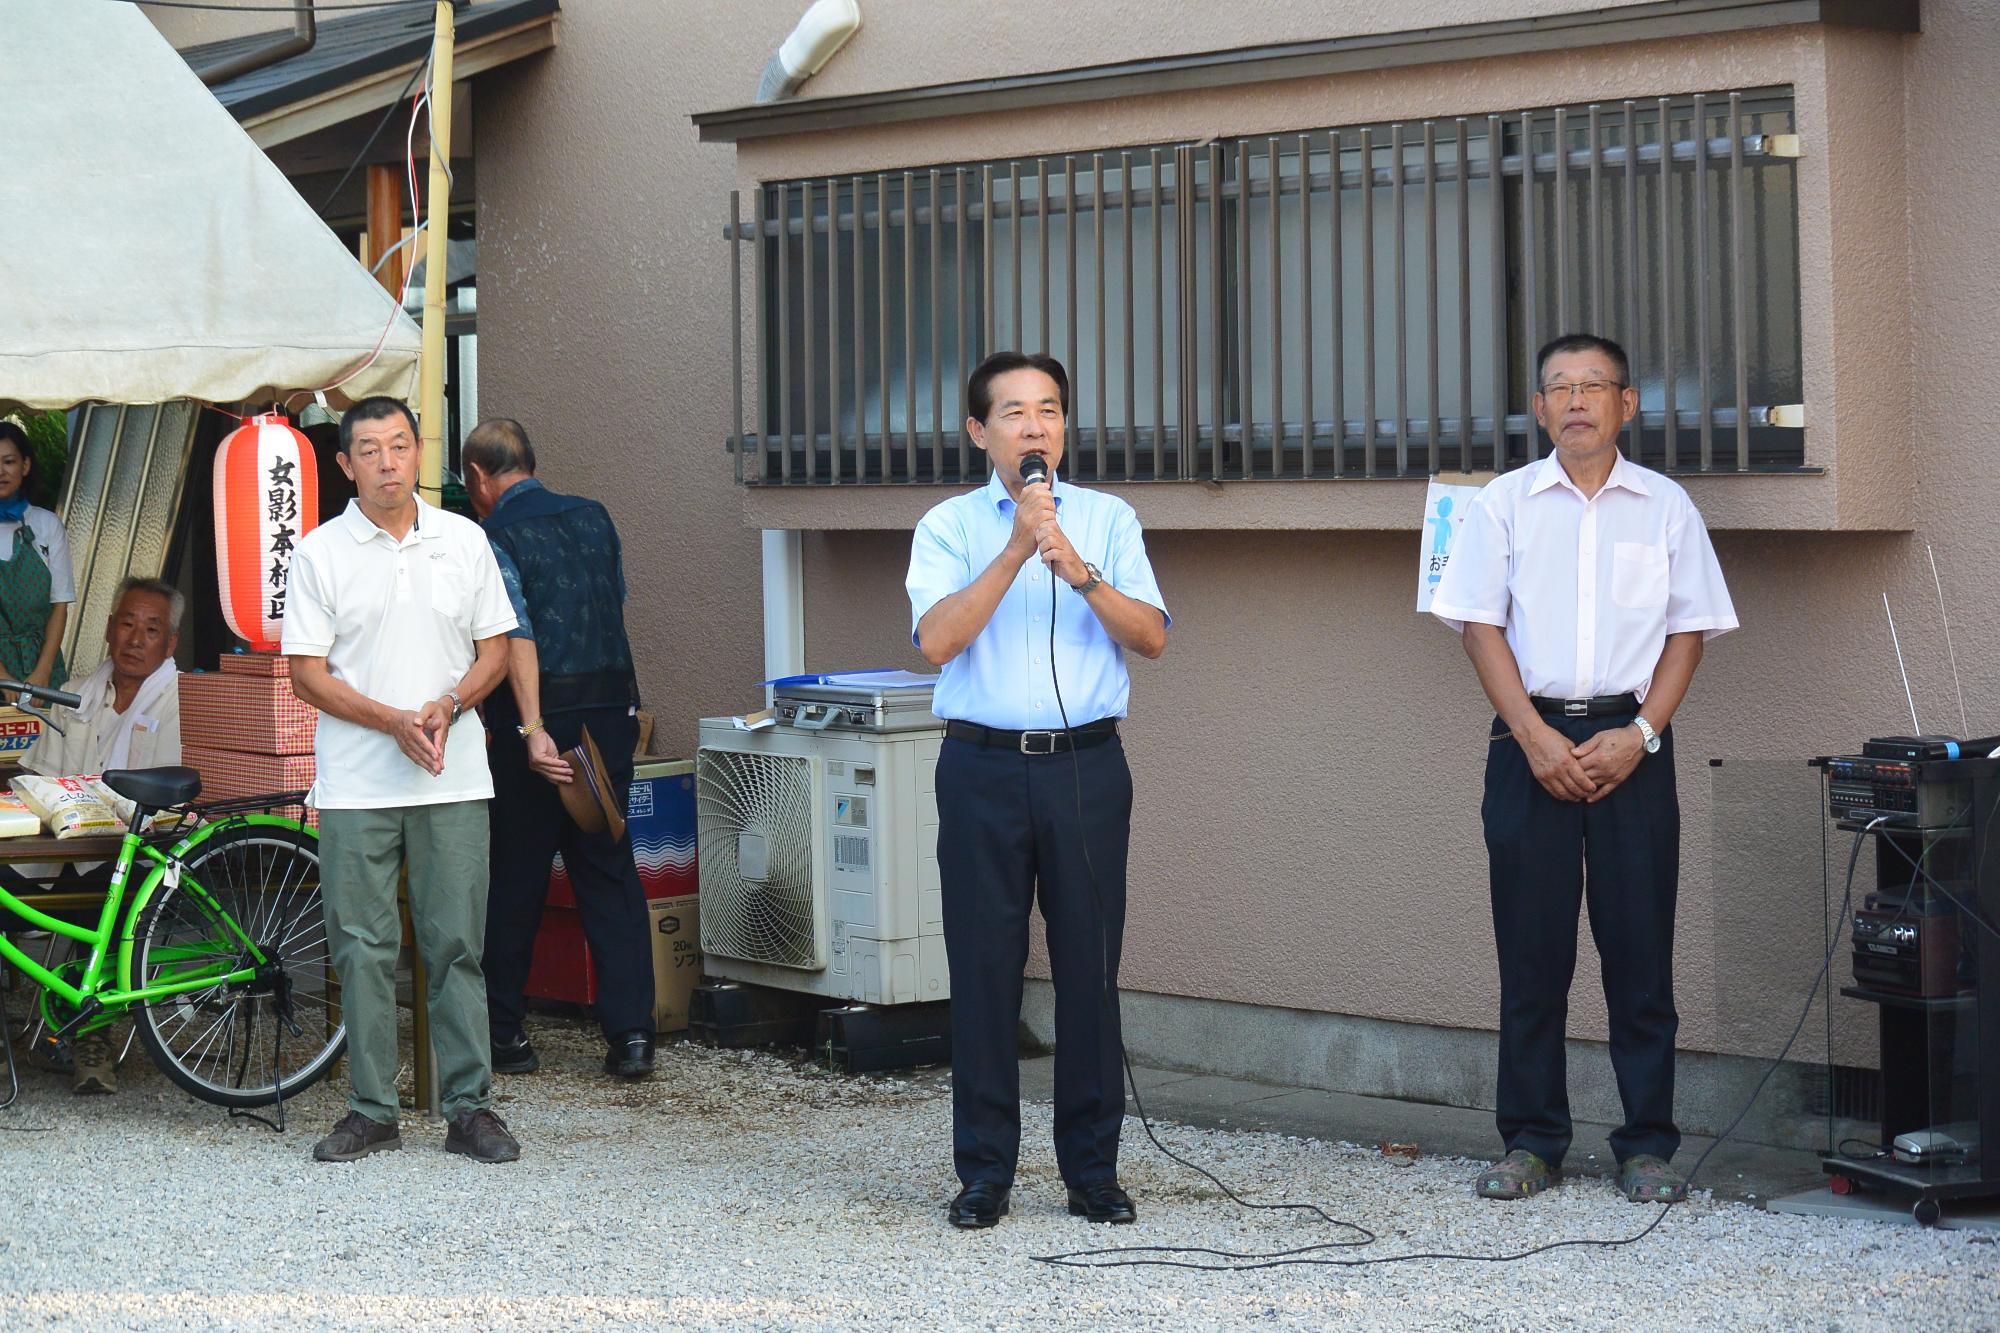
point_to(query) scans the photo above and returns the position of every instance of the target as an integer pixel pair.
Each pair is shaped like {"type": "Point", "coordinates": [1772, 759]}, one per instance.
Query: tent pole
{"type": "Point", "coordinates": [430, 410]}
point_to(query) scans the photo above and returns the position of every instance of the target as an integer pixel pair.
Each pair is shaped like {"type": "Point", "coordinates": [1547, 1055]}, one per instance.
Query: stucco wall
{"type": "Point", "coordinates": [1308, 752]}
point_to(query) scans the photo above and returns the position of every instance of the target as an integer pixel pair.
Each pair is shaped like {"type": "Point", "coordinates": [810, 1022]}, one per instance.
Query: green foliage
{"type": "Point", "coordinates": [48, 432]}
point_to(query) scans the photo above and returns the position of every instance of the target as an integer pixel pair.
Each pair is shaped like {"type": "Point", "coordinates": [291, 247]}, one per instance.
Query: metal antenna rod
{"type": "Point", "coordinates": [1916, 727]}
{"type": "Point", "coordinates": [1965, 728]}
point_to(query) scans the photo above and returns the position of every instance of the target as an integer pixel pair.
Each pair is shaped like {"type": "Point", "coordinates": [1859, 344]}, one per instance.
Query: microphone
{"type": "Point", "coordinates": [1034, 468]}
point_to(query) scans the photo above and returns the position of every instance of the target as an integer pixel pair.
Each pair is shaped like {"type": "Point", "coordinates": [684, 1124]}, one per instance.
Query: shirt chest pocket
{"type": "Point", "coordinates": [448, 590]}
{"type": "Point", "coordinates": [1638, 575]}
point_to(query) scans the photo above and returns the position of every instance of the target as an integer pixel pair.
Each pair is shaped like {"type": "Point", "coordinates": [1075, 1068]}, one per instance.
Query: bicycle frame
{"type": "Point", "coordinates": [167, 870]}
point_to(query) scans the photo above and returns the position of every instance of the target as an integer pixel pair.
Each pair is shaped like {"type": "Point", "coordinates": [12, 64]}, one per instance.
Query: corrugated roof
{"type": "Point", "coordinates": [351, 47]}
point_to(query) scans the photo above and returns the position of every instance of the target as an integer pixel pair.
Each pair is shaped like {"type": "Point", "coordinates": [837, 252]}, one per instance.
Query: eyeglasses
{"type": "Point", "coordinates": [1593, 391]}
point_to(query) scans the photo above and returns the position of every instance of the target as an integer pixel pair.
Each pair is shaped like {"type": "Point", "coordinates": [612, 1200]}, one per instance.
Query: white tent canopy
{"type": "Point", "coordinates": [148, 249]}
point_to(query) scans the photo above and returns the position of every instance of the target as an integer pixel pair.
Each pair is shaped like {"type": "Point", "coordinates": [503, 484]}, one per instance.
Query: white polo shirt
{"type": "Point", "coordinates": [1587, 587]}
{"type": "Point", "coordinates": [396, 620]}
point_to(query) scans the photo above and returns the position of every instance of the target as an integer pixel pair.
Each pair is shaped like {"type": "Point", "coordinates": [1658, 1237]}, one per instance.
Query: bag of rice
{"type": "Point", "coordinates": [16, 819]}
{"type": "Point", "coordinates": [122, 808]}
{"type": "Point", "coordinates": [67, 806]}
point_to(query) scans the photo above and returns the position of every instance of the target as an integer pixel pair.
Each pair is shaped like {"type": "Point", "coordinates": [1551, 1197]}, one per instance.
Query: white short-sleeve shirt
{"type": "Point", "coordinates": [51, 543]}
{"type": "Point", "coordinates": [396, 620]}
{"type": "Point", "coordinates": [1587, 587]}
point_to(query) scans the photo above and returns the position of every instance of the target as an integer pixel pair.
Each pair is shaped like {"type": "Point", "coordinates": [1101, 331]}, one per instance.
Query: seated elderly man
{"type": "Point", "coordinates": [129, 717]}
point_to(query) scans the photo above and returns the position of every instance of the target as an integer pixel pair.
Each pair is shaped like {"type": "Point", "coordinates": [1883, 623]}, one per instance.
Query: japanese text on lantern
{"type": "Point", "coordinates": [282, 508]}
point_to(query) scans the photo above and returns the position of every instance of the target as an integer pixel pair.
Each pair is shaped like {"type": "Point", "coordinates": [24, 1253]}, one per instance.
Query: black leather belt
{"type": "Point", "coordinates": [1604, 705]}
{"type": "Point", "coordinates": [588, 689]}
{"type": "Point", "coordinates": [1034, 742]}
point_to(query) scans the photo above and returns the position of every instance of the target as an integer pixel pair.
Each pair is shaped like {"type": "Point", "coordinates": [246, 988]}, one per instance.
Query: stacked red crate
{"type": "Point", "coordinates": [245, 731]}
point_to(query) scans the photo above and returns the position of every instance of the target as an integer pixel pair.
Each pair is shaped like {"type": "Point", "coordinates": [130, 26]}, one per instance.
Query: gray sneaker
{"type": "Point", "coordinates": [354, 1137]}
{"type": "Point", "coordinates": [1644, 1178]}
{"type": "Point", "coordinates": [95, 1064]}
{"type": "Point", "coordinates": [482, 1136]}
{"type": "Point", "coordinates": [1518, 1175]}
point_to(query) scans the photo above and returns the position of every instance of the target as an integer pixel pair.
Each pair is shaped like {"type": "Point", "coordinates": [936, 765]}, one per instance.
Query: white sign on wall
{"type": "Point", "coordinates": [1445, 508]}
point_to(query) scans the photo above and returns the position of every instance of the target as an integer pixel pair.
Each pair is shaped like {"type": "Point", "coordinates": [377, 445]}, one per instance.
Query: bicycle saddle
{"type": "Point", "coordinates": [154, 788]}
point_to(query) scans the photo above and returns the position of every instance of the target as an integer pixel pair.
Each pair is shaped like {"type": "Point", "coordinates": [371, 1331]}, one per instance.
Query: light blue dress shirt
{"type": "Point", "coordinates": [1002, 678]}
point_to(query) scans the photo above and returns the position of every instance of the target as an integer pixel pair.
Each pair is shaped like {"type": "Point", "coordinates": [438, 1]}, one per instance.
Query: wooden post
{"type": "Point", "coordinates": [430, 408]}
{"type": "Point", "coordinates": [385, 225]}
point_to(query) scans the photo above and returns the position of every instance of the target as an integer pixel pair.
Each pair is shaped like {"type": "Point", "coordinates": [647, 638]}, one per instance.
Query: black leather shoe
{"type": "Point", "coordinates": [1102, 1202]}
{"type": "Point", "coordinates": [630, 1056]}
{"type": "Point", "coordinates": [515, 1057]}
{"type": "Point", "coordinates": [979, 1205]}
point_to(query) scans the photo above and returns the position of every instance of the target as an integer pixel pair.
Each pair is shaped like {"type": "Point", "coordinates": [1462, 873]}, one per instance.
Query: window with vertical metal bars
{"type": "Point", "coordinates": [1355, 302]}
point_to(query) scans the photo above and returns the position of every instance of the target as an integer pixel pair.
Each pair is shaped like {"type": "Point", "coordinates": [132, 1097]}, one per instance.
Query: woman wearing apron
{"type": "Point", "coordinates": [36, 585]}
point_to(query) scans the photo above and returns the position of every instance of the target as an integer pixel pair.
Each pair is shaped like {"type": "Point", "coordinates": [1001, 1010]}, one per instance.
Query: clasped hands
{"type": "Point", "coordinates": [1037, 533]}
{"type": "Point", "coordinates": [420, 734]}
{"type": "Point", "coordinates": [1588, 772]}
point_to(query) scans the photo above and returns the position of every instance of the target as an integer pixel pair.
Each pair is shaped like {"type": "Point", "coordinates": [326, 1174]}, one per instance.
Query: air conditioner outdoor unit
{"type": "Point", "coordinates": [818, 854]}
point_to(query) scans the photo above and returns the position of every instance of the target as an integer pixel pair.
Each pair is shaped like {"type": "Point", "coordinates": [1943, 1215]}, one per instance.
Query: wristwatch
{"type": "Point", "coordinates": [1652, 738]}
{"type": "Point", "coordinates": [1090, 585]}
{"type": "Point", "coordinates": [457, 707]}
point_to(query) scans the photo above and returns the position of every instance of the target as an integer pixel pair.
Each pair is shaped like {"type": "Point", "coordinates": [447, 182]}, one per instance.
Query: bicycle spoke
{"type": "Point", "coordinates": [219, 1041]}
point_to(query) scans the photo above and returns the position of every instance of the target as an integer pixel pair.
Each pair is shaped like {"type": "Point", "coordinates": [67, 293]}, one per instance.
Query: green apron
{"type": "Point", "coordinates": [24, 610]}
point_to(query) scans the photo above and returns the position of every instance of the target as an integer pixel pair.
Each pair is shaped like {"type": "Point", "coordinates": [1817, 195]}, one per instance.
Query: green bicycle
{"type": "Point", "coordinates": [219, 954]}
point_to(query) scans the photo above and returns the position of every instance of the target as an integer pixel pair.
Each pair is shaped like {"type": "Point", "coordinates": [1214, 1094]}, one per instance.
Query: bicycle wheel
{"type": "Point", "coordinates": [229, 1043]}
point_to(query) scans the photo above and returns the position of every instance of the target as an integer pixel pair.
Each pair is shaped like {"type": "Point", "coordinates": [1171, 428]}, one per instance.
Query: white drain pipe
{"type": "Point", "coordinates": [824, 30]}
{"type": "Point", "coordinates": [784, 605]}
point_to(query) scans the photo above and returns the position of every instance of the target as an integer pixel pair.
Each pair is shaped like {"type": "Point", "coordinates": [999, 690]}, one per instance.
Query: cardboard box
{"type": "Point", "coordinates": [244, 711]}
{"type": "Point", "coordinates": [676, 959]}
{"type": "Point", "coordinates": [659, 812]}
{"type": "Point", "coordinates": [18, 733]}
{"type": "Point", "coordinates": [227, 774]}
{"type": "Point", "coordinates": [562, 968]}
{"type": "Point", "coordinates": [256, 664]}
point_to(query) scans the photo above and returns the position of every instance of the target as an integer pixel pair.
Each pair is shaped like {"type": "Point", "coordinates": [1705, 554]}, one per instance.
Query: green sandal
{"type": "Point", "coordinates": [1518, 1175]}
{"type": "Point", "coordinates": [1644, 1178]}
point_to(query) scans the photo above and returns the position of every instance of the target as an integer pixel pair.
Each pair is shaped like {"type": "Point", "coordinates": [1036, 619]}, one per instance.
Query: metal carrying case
{"type": "Point", "coordinates": [863, 704]}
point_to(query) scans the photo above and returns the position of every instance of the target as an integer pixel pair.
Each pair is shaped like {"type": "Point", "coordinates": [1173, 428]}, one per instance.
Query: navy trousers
{"type": "Point", "coordinates": [1621, 858]}
{"type": "Point", "coordinates": [1009, 833]}
{"type": "Point", "coordinates": [528, 827]}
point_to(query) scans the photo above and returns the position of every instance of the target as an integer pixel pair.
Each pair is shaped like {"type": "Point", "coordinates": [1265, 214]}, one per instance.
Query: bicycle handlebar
{"type": "Point", "coordinates": [42, 692]}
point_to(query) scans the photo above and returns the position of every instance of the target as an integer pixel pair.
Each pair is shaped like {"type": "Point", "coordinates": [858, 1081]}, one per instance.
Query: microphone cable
{"type": "Point", "coordinates": [1362, 1235]}
{"type": "Point", "coordinates": [1316, 1256]}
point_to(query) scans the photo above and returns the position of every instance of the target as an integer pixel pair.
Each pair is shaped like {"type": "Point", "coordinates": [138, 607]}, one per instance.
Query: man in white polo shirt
{"type": "Point", "coordinates": [396, 627]}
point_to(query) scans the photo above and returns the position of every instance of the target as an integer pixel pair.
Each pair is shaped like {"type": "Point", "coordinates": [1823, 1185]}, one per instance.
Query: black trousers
{"type": "Point", "coordinates": [1008, 833]}
{"type": "Point", "coordinates": [529, 826]}
{"type": "Point", "coordinates": [1621, 857]}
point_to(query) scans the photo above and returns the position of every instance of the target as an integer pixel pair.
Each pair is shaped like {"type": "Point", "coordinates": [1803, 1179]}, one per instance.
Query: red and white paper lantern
{"type": "Point", "coordinates": [266, 499]}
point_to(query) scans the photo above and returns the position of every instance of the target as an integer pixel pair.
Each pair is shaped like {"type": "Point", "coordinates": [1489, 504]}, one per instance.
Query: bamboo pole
{"type": "Point", "coordinates": [430, 409]}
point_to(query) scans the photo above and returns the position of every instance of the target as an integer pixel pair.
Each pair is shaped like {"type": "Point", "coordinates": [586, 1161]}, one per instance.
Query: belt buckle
{"type": "Point", "coordinates": [1576, 708]}
{"type": "Point", "coordinates": [1048, 737]}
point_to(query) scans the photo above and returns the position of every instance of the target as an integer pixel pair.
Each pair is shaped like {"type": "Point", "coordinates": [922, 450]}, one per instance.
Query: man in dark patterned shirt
{"type": "Point", "coordinates": [570, 666]}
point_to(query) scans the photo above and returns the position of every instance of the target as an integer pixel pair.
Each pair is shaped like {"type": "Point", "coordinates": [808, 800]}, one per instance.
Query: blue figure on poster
{"type": "Point", "coordinates": [1440, 540]}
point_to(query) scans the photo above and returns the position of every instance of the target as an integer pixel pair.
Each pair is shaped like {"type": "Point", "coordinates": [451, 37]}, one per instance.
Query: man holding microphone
{"type": "Point", "coordinates": [1034, 796]}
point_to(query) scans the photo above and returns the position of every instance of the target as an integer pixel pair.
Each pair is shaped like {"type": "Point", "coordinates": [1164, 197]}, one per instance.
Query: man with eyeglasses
{"type": "Point", "coordinates": [396, 626]}
{"type": "Point", "coordinates": [1584, 587]}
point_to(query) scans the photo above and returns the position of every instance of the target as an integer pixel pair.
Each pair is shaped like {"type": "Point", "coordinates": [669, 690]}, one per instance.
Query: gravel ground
{"type": "Point", "coordinates": [744, 1190]}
